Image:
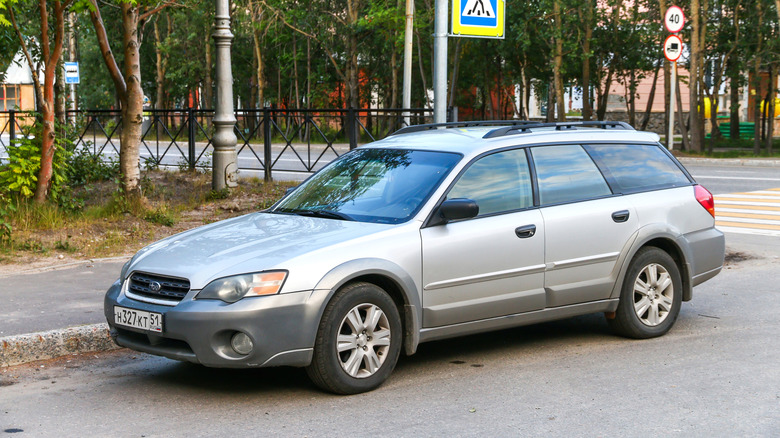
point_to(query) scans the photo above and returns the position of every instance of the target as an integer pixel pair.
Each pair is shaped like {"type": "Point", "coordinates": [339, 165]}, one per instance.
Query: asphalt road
{"type": "Point", "coordinates": [714, 374]}
{"type": "Point", "coordinates": [732, 179]}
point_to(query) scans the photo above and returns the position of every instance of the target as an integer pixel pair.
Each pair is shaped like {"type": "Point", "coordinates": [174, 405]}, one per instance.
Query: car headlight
{"type": "Point", "coordinates": [232, 289]}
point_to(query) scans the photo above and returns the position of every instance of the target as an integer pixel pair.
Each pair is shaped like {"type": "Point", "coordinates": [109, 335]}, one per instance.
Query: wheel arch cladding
{"type": "Point", "coordinates": [398, 284]}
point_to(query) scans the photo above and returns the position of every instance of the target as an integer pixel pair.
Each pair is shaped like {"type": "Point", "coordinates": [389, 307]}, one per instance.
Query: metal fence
{"type": "Point", "coordinates": [286, 141]}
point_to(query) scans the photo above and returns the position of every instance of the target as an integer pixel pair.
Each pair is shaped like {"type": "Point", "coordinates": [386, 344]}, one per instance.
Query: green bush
{"type": "Point", "coordinates": [19, 176]}
{"type": "Point", "coordinates": [83, 168]}
{"type": "Point", "coordinates": [6, 208]}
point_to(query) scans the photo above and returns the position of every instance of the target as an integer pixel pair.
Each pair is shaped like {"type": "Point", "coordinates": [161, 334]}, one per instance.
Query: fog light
{"type": "Point", "coordinates": [241, 343]}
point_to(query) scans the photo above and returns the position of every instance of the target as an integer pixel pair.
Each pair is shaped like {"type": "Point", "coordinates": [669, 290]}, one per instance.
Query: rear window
{"type": "Point", "coordinates": [632, 168]}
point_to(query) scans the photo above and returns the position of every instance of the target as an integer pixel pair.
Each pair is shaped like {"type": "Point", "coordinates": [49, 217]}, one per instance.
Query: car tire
{"type": "Point", "coordinates": [358, 341]}
{"type": "Point", "coordinates": [651, 296]}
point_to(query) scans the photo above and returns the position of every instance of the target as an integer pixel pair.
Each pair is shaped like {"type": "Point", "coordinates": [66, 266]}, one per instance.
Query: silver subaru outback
{"type": "Point", "coordinates": [434, 232]}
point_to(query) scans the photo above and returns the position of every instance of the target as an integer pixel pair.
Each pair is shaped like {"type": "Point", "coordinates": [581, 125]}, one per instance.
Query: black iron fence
{"type": "Point", "coordinates": [269, 139]}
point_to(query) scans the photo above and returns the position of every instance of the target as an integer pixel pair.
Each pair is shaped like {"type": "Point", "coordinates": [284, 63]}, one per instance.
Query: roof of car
{"type": "Point", "coordinates": [471, 138]}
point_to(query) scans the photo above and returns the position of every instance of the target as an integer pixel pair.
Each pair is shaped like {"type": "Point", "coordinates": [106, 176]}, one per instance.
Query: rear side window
{"type": "Point", "coordinates": [632, 168]}
{"type": "Point", "coordinates": [499, 182]}
{"type": "Point", "coordinates": [567, 174]}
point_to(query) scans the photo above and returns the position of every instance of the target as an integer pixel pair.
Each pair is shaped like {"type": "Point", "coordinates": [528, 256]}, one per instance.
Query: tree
{"type": "Point", "coordinates": [127, 81]}
{"type": "Point", "coordinates": [50, 52]}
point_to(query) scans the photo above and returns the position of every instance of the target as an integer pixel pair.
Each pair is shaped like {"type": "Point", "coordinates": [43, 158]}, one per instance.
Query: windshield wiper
{"type": "Point", "coordinates": [328, 214]}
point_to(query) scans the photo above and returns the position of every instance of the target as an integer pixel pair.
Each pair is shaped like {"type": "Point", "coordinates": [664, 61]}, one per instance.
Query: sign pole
{"type": "Point", "coordinates": [672, 101]}
{"type": "Point", "coordinates": [440, 62]}
{"type": "Point", "coordinates": [674, 21]}
{"type": "Point", "coordinates": [408, 35]}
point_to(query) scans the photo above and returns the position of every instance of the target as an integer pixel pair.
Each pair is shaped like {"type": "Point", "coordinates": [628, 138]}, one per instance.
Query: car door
{"type": "Point", "coordinates": [493, 264]}
{"type": "Point", "coordinates": [586, 228]}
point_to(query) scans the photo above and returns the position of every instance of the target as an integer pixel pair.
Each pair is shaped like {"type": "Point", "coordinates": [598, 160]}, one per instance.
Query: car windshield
{"type": "Point", "coordinates": [371, 185]}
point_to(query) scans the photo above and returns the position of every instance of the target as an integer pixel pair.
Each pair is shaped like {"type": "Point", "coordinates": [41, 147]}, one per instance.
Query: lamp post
{"type": "Point", "coordinates": [224, 169]}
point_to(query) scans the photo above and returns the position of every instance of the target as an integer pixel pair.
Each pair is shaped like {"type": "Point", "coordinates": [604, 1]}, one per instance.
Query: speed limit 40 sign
{"type": "Point", "coordinates": [674, 20]}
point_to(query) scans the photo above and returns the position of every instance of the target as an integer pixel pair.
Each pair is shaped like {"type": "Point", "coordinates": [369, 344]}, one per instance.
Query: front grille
{"type": "Point", "coordinates": [157, 286]}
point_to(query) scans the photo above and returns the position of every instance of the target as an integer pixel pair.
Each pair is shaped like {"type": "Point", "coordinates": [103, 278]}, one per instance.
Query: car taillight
{"type": "Point", "coordinates": [705, 199]}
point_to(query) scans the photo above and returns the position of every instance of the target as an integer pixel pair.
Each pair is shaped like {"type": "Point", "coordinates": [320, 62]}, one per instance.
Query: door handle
{"type": "Point", "coordinates": [620, 216]}
{"type": "Point", "coordinates": [525, 231]}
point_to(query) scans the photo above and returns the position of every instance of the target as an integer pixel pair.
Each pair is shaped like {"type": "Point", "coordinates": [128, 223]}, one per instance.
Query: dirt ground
{"type": "Point", "coordinates": [174, 202]}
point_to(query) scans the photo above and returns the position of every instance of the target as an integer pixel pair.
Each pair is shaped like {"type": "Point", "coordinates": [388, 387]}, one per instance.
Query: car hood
{"type": "Point", "coordinates": [266, 240]}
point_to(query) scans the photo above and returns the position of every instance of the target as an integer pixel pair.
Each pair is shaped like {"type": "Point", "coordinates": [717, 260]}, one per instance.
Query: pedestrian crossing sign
{"type": "Point", "coordinates": [478, 18]}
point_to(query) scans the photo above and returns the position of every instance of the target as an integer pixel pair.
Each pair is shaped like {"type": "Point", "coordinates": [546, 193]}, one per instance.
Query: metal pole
{"type": "Point", "coordinates": [72, 58]}
{"type": "Point", "coordinates": [408, 43]}
{"type": "Point", "coordinates": [440, 62]}
{"type": "Point", "coordinates": [224, 171]}
{"type": "Point", "coordinates": [672, 101]}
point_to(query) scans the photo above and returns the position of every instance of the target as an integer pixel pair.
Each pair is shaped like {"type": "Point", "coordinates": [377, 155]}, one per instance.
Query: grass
{"type": "Point", "coordinates": [110, 225]}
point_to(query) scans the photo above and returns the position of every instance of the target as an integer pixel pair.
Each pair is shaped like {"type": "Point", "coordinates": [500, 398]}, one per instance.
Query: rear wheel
{"type": "Point", "coordinates": [358, 341]}
{"type": "Point", "coordinates": [651, 296]}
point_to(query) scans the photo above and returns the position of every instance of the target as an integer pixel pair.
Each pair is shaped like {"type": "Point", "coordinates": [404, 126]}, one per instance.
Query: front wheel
{"type": "Point", "coordinates": [651, 296]}
{"type": "Point", "coordinates": [358, 341]}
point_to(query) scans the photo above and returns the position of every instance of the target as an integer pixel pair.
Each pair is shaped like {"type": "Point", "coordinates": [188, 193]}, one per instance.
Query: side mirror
{"type": "Point", "coordinates": [459, 208]}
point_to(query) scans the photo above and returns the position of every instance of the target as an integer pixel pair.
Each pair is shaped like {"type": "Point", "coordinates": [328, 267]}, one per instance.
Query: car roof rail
{"type": "Point", "coordinates": [559, 126]}
{"type": "Point", "coordinates": [429, 126]}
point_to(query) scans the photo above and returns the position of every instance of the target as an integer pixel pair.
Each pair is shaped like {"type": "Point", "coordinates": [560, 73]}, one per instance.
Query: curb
{"type": "Point", "coordinates": [20, 349]}
{"type": "Point", "coordinates": [66, 265]}
{"type": "Point", "coordinates": [750, 162]}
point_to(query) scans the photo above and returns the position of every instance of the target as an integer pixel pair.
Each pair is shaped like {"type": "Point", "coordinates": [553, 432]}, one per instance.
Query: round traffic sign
{"type": "Point", "coordinates": [674, 20]}
{"type": "Point", "coordinates": [673, 48]}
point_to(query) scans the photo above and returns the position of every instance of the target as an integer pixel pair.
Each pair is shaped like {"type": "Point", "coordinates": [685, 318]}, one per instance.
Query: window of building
{"type": "Point", "coordinates": [9, 97]}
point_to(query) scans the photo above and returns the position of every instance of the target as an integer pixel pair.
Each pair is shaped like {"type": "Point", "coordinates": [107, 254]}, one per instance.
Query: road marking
{"type": "Point", "coordinates": [762, 199]}
{"type": "Point", "coordinates": [737, 178]}
{"type": "Point", "coordinates": [749, 212]}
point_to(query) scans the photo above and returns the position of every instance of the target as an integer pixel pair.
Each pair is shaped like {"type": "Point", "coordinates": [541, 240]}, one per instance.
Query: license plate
{"type": "Point", "coordinates": [139, 319]}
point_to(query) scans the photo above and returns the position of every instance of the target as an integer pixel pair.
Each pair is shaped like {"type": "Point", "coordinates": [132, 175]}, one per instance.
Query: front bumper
{"type": "Point", "coordinates": [282, 328]}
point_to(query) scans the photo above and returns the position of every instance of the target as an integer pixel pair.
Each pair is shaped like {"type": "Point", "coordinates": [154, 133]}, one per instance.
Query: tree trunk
{"type": "Point", "coordinates": [260, 72]}
{"type": "Point", "coordinates": [161, 66]}
{"type": "Point", "coordinates": [208, 83]}
{"type": "Point", "coordinates": [770, 104]}
{"type": "Point", "coordinates": [694, 85]}
{"type": "Point", "coordinates": [51, 56]}
{"type": "Point", "coordinates": [132, 104]}
{"type": "Point", "coordinates": [558, 62]}
{"type": "Point", "coordinates": [601, 110]}
{"type": "Point", "coordinates": [353, 96]}
{"type": "Point", "coordinates": [551, 102]}
{"type": "Point", "coordinates": [455, 71]}
{"type": "Point", "coordinates": [631, 98]}
{"type": "Point", "coordinates": [422, 70]}
{"type": "Point", "coordinates": [587, 109]}
{"type": "Point", "coordinates": [734, 77]}
{"type": "Point", "coordinates": [650, 100]}
{"type": "Point", "coordinates": [680, 120]}
{"type": "Point", "coordinates": [757, 86]}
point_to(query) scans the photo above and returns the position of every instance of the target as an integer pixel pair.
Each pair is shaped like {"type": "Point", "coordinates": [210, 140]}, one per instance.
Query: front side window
{"type": "Point", "coordinates": [498, 182]}
{"type": "Point", "coordinates": [637, 167]}
{"type": "Point", "coordinates": [567, 174]}
{"type": "Point", "coordinates": [371, 185]}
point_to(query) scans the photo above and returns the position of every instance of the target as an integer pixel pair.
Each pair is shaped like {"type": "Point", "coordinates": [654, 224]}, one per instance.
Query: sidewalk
{"type": "Point", "coordinates": [55, 311]}
{"type": "Point", "coordinates": [755, 162]}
